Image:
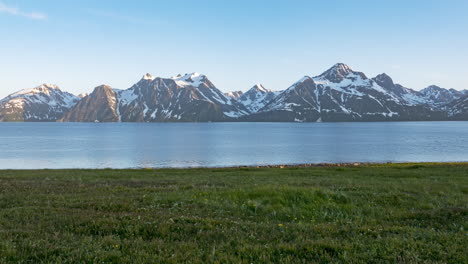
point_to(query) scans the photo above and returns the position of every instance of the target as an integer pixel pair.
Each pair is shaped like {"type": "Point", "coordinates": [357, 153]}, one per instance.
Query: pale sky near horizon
{"type": "Point", "coordinates": [79, 45]}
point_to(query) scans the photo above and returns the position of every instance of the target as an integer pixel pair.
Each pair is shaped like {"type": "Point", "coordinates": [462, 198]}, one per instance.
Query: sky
{"type": "Point", "coordinates": [79, 45]}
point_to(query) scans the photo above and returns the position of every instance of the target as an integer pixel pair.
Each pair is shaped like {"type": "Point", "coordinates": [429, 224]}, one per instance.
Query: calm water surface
{"type": "Point", "coordinates": [134, 145]}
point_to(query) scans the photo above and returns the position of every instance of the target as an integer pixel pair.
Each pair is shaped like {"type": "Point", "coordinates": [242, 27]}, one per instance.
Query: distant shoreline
{"type": "Point", "coordinates": [275, 166]}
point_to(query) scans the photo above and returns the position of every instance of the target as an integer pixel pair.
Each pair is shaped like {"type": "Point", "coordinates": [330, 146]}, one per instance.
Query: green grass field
{"type": "Point", "coordinates": [406, 213]}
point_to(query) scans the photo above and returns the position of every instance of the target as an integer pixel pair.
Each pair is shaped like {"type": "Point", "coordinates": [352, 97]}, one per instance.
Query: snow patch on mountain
{"type": "Point", "coordinates": [194, 79]}
{"type": "Point", "coordinates": [234, 94]}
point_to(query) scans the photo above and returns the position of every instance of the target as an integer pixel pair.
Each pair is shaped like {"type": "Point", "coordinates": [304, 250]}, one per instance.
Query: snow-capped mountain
{"type": "Point", "coordinates": [342, 94]}
{"type": "Point", "coordinates": [256, 98]}
{"type": "Point", "coordinates": [42, 103]}
{"type": "Point", "coordinates": [338, 94]}
{"type": "Point", "coordinates": [184, 98]}
{"type": "Point", "coordinates": [439, 96]}
{"type": "Point", "coordinates": [234, 95]}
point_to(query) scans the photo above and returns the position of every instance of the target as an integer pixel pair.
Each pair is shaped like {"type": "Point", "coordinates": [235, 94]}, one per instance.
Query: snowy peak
{"type": "Point", "coordinates": [48, 86]}
{"type": "Point", "coordinates": [260, 88]}
{"type": "Point", "coordinates": [43, 88]}
{"type": "Point", "coordinates": [45, 102]}
{"type": "Point", "coordinates": [194, 79]}
{"type": "Point", "coordinates": [147, 77]}
{"type": "Point", "coordinates": [188, 77]}
{"type": "Point", "coordinates": [255, 90]}
{"type": "Point", "coordinates": [256, 98]}
{"type": "Point", "coordinates": [338, 72]}
{"type": "Point", "coordinates": [234, 94]}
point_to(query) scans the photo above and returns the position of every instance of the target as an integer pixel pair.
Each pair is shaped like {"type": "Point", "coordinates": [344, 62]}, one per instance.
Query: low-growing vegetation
{"type": "Point", "coordinates": [389, 213]}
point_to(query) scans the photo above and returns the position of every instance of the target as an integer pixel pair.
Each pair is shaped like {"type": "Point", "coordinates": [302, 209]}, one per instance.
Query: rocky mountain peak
{"type": "Point", "coordinates": [48, 86]}
{"type": "Point", "coordinates": [100, 105]}
{"type": "Point", "coordinates": [260, 88]}
{"type": "Point", "coordinates": [256, 98]}
{"type": "Point", "coordinates": [433, 88]}
{"type": "Point", "coordinates": [102, 89]}
{"type": "Point", "coordinates": [41, 89]}
{"type": "Point", "coordinates": [337, 72]}
{"type": "Point", "coordinates": [234, 94]}
{"type": "Point", "coordinates": [384, 80]}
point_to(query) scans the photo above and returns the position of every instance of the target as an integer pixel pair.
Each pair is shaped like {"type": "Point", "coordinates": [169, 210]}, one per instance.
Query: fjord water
{"type": "Point", "coordinates": [137, 145]}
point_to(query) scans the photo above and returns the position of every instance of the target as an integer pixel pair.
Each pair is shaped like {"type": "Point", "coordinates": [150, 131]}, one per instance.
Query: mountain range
{"type": "Point", "coordinates": [338, 94]}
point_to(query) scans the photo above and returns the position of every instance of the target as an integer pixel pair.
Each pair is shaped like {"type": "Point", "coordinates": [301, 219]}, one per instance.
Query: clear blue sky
{"type": "Point", "coordinates": [81, 44]}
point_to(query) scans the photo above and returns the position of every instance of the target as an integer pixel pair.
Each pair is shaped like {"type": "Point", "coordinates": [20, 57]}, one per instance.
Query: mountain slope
{"type": "Point", "coordinates": [42, 103]}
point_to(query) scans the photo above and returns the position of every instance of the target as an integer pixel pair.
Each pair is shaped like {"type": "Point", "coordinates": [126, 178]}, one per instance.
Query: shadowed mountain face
{"type": "Point", "coordinates": [99, 106]}
{"type": "Point", "coordinates": [43, 103]}
{"type": "Point", "coordinates": [338, 94]}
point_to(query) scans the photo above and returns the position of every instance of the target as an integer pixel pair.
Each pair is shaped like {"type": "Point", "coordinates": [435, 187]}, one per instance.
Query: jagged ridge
{"type": "Point", "coordinates": [338, 94]}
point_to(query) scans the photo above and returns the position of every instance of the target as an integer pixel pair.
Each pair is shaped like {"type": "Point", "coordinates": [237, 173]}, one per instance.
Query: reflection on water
{"type": "Point", "coordinates": [131, 145]}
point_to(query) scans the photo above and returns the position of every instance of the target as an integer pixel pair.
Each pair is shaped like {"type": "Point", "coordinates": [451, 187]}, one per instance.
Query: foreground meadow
{"type": "Point", "coordinates": [405, 213]}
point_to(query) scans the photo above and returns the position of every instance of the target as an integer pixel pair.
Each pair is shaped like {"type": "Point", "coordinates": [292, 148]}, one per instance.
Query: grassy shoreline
{"type": "Point", "coordinates": [341, 213]}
